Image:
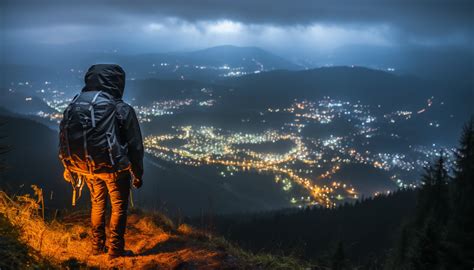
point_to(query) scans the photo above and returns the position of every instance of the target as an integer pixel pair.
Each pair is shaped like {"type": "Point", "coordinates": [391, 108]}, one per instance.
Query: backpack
{"type": "Point", "coordinates": [89, 136]}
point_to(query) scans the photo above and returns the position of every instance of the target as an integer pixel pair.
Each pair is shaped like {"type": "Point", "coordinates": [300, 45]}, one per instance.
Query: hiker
{"type": "Point", "coordinates": [101, 145]}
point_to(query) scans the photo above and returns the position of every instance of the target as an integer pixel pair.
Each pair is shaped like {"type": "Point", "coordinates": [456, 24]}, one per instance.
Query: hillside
{"type": "Point", "coordinates": [32, 158]}
{"type": "Point", "coordinates": [144, 92]}
{"type": "Point", "coordinates": [347, 83]}
{"type": "Point", "coordinates": [21, 103]}
{"type": "Point", "coordinates": [194, 191]}
{"type": "Point", "coordinates": [157, 243]}
{"type": "Point", "coordinates": [368, 228]}
{"type": "Point", "coordinates": [12, 73]}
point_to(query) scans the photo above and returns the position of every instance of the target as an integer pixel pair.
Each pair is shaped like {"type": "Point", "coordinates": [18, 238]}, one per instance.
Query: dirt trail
{"type": "Point", "coordinates": [154, 249]}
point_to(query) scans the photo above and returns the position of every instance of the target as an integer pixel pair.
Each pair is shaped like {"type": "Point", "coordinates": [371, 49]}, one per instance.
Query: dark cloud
{"type": "Point", "coordinates": [294, 28]}
{"type": "Point", "coordinates": [417, 16]}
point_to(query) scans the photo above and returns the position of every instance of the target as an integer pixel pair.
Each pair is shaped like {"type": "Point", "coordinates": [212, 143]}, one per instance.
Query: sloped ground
{"type": "Point", "coordinates": [154, 247]}
{"type": "Point", "coordinates": [155, 241]}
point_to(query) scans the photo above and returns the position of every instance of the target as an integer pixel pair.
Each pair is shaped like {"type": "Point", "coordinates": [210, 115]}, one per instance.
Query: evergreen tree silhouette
{"type": "Point", "coordinates": [3, 150]}
{"type": "Point", "coordinates": [339, 261]}
{"type": "Point", "coordinates": [442, 233]}
{"type": "Point", "coordinates": [422, 249]}
{"type": "Point", "coordinates": [460, 231]}
{"type": "Point", "coordinates": [426, 252]}
{"type": "Point", "coordinates": [399, 257]}
{"type": "Point", "coordinates": [433, 198]}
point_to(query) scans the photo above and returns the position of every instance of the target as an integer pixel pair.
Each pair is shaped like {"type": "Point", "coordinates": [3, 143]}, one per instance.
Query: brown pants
{"type": "Point", "coordinates": [118, 187]}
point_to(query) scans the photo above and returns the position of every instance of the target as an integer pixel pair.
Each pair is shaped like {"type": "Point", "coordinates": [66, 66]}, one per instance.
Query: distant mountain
{"type": "Point", "coordinates": [204, 65]}
{"type": "Point", "coordinates": [25, 73]}
{"type": "Point", "coordinates": [145, 91]}
{"type": "Point", "coordinates": [282, 86]}
{"type": "Point", "coordinates": [251, 58]}
{"type": "Point", "coordinates": [28, 79]}
{"type": "Point", "coordinates": [349, 83]}
{"type": "Point", "coordinates": [21, 103]}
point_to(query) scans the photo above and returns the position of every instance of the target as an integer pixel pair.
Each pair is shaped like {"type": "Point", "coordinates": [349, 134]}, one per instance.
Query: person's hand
{"type": "Point", "coordinates": [67, 176]}
{"type": "Point", "coordinates": [137, 183]}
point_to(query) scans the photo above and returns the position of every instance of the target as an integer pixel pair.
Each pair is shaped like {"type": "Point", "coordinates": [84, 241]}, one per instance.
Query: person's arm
{"type": "Point", "coordinates": [133, 137]}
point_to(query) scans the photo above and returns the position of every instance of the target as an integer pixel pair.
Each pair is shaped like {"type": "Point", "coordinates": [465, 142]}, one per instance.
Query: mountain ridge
{"type": "Point", "coordinates": [343, 82]}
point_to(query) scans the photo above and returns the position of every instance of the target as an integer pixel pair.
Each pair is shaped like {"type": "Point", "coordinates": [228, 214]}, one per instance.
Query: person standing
{"type": "Point", "coordinates": [101, 145]}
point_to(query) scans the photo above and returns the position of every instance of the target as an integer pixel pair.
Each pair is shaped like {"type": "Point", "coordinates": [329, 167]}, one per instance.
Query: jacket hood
{"type": "Point", "coordinates": [109, 78]}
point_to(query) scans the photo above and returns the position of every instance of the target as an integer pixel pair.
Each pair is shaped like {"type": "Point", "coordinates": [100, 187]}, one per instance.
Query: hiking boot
{"type": "Point", "coordinates": [125, 253]}
{"type": "Point", "coordinates": [99, 251]}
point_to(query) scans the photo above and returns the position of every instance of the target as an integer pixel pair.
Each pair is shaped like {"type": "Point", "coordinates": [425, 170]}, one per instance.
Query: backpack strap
{"type": "Point", "coordinates": [95, 97]}
{"type": "Point", "coordinates": [88, 158]}
{"type": "Point", "coordinates": [91, 108]}
{"type": "Point", "coordinates": [109, 96]}
{"type": "Point", "coordinates": [66, 112]}
{"type": "Point", "coordinates": [109, 142]}
{"type": "Point", "coordinates": [66, 133]}
{"type": "Point", "coordinates": [74, 98]}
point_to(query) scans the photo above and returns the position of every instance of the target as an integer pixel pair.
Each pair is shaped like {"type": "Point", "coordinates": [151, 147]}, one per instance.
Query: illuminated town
{"type": "Point", "coordinates": [310, 162]}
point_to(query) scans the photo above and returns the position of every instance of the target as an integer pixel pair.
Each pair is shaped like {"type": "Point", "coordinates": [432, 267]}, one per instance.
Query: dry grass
{"type": "Point", "coordinates": [155, 240]}
{"type": "Point", "coordinates": [47, 239]}
{"type": "Point", "coordinates": [13, 253]}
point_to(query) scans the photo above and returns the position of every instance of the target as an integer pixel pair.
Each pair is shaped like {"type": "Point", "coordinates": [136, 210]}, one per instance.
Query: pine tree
{"type": "Point", "coordinates": [440, 198]}
{"type": "Point", "coordinates": [433, 197]}
{"type": "Point", "coordinates": [339, 258]}
{"type": "Point", "coordinates": [399, 257]}
{"type": "Point", "coordinates": [3, 150]}
{"type": "Point", "coordinates": [425, 253]}
{"type": "Point", "coordinates": [459, 253]}
{"type": "Point", "coordinates": [431, 218]}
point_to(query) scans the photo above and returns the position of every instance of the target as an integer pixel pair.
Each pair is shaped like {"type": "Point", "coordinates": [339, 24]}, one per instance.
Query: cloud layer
{"type": "Point", "coordinates": [180, 24]}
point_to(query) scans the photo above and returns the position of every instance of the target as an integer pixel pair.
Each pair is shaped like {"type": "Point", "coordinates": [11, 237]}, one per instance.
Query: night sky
{"type": "Point", "coordinates": [293, 29]}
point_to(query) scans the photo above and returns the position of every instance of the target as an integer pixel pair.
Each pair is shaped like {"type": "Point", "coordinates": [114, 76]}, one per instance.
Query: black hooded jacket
{"type": "Point", "coordinates": [111, 79]}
